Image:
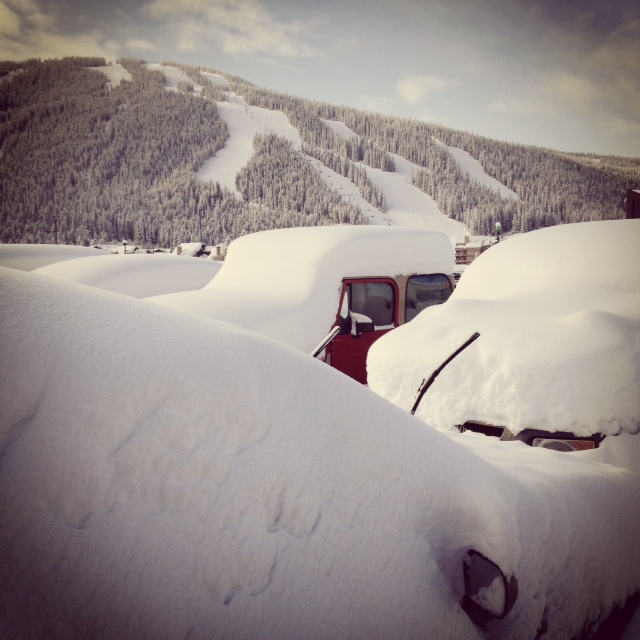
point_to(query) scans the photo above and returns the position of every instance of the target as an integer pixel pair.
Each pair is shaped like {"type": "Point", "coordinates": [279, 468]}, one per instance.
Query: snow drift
{"type": "Point", "coordinates": [558, 311]}
{"type": "Point", "coordinates": [286, 283]}
{"type": "Point", "coordinates": [138, 276]}
{"type": "Point", "coordinates": [164, 475]}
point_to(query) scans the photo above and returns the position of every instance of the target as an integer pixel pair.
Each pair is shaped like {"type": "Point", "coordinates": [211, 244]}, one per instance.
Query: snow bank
{"type": "Point", "coordinates": [167, 476]}
{"type": "Point", "coordinates": [28, 257]}
{"type": "Point", "coordinates": [558, 311]}
{"type": "Point", "coordinates": [139, 276]}
{"type": "Point", "coordinates": [286, 283]}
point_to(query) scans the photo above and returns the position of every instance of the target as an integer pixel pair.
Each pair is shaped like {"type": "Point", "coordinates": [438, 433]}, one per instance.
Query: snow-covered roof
{"type": "Point", "coordinates": [558, 311]}
{"type": "Point", "coordinates": [286, 283]}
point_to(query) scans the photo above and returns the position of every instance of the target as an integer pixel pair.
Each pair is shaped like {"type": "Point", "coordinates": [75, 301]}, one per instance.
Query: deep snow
{"type": "Point", "coordinates": [164, 475]}
{"type": "Point", "coordinates": [28, 257]}
{"type": "Point", "coordinates": [286, 283]}
{"type": "Point", "coordinates": [139, 276]}
{"type": "Point", "coordinates": [558, 311]}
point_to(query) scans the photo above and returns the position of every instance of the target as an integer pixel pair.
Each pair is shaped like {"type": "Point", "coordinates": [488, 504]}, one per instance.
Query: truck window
{"type": "Point", "coordinates": [374, 300]}
{"type": "Point", "coordinates": [425, 291]}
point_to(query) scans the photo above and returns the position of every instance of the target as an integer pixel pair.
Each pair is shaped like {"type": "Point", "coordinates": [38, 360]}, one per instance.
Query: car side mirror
{"type": "Point", "coordinates": [489, 593]}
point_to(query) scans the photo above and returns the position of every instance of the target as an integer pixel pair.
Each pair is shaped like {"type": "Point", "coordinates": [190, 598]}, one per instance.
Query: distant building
{"type": "Point", "coordinates": [633, 203]}
{"type": "Point", "coordinates": [470, 249]}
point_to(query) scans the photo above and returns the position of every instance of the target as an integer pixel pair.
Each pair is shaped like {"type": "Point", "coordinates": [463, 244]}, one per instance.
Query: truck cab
{"type": "Point", "coordinates": [371, 307]}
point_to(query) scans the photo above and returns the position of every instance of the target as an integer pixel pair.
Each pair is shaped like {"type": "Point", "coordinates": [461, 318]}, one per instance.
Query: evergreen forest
{"type": "Point", "coordinates": [82, 161]}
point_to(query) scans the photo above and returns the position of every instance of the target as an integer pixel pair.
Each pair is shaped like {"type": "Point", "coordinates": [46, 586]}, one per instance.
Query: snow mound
{"type": "Point", "coordinates": [166, 476]}
{"type": "Point", "coordinates": [558, 311]}
{"type": "Point", "coordinates": [139, 276]}
{"type": "Point", "coordinates": [28, 257]}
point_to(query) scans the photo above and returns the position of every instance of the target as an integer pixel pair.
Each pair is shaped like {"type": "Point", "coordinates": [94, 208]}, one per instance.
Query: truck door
{"type": "Point", "coordinates": [368, 309]}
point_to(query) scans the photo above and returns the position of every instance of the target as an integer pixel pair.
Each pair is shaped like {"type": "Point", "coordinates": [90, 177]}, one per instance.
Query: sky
{"type": "Point", "coordinates": [563, 75]}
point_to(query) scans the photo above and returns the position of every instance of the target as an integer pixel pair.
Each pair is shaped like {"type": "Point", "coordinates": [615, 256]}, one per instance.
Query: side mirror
{"type": "Point", "coordinates": [364, 327]}
{"type": "Point", "coordinates": [489, 593]}
{"type": "Point", "coordinates": [360, 324]}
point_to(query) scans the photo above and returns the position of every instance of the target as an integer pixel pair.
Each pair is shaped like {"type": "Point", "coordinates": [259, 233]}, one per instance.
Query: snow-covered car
{"type": "Point", "coordinates": [331, 291]}
{"type": "Point", "coordinates": [137, 275]}
{"type": "Point", "coordinates": [557, 363]}
{"type": "Point", "coordinates": [168, 476]}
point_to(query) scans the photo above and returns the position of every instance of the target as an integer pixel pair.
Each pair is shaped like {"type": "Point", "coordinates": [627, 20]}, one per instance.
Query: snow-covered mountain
{"type": "Point", "coordinates": [165, 153]}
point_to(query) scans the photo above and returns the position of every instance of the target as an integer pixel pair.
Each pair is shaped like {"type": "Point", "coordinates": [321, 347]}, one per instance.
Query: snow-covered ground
{"type": "Point", "coordinates": [406, 204]}
{"type": "Point", "coordinates": [139, 276]}
{"type": "Point", "coordinates": [28, 257]}
{"type": "Point", "coordinates": [164, 475]}
{"type": "Point", "coordinates": [172, 76]}
{"type": "Point", "coordinates": [469, 165]}
{"type": "Point", "coordinates": [558, 312]}
{"type": "Point", "coordinates": [136, 275]}
{"type": "Point", "coordinates": [243, 122]}
{"type": "Point", "coordinates": [409, 206]}
{"type": "Point", "coordinates": [115, 73]}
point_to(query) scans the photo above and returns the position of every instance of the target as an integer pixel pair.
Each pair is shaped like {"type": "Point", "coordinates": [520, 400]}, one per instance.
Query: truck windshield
{"type": "Point", "coordinates": [425, 291]}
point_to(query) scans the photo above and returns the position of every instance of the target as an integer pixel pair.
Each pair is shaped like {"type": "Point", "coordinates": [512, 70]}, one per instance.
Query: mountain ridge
{"type": "Point", "coordinates": [121, 152]}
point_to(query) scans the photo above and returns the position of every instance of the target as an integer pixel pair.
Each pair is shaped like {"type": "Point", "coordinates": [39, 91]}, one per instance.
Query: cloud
{"type": "Point", "coordinates": [26, 31]}
{"type": "Point", "coordinates": [538, 102]}
{"type": "Point", "coordinates": [243, 27]}
{"type": "Point", "coordinates": [599, 82]}
{"type": "Point", "coordinates": [417, 88]}
{"type": "Point", "coordinates": [498, 106]}
{"type": "Point", "coordinates": [9, 21]}
{"type": "Point", "coordinates": [572, 88]}
{"type": "Point", "coordinates": [137, 44]}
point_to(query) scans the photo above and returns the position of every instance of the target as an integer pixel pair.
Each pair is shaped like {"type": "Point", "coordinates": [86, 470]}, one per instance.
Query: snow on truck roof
{"type": "Point", "coordinates": [349, 250]}
{"type": "Point", "coordinates": [285, 283]}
